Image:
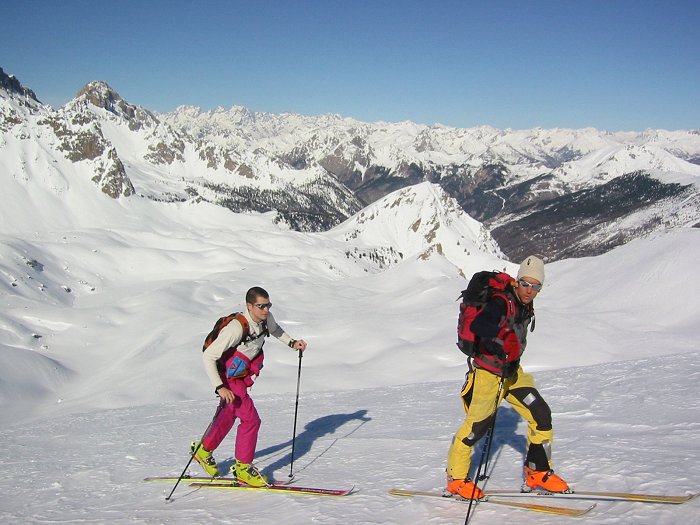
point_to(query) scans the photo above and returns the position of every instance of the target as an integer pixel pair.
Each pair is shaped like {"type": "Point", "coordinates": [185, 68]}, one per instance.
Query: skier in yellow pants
{"type": "Point", "coordinates": [502, 331]}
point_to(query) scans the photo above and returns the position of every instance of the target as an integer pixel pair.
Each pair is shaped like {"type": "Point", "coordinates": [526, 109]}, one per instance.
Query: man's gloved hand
{"type": "Point", "coordinates": [511, 344]}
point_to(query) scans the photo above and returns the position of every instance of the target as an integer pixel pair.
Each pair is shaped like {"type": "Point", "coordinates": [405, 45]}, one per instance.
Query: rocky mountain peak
{"type": "Point", "coordinates": [101, 95]}
{"type": "Point", "coordinates": [10, 84]}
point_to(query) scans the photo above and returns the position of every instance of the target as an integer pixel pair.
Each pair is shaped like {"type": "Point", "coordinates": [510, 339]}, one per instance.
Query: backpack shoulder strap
{"type": "Point", "coordinates": [238, 316]}
{"type": "Point", "coordinates": [510, 306]}
{"type": "Point", "coordinates": [222, 323]}
{"type": "Point", "coordinates": [247, 336]}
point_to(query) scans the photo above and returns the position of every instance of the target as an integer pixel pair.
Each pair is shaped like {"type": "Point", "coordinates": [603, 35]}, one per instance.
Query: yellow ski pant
{"type": "Point", "coordinates": [479, 397]}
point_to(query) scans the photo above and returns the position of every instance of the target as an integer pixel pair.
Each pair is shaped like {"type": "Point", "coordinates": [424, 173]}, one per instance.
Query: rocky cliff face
{"type": "Point", "coordinates": [11, 85]}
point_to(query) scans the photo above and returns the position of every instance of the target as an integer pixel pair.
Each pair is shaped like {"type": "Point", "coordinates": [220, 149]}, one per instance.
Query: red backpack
{"type": "Point", "coordinates": [481, 288]}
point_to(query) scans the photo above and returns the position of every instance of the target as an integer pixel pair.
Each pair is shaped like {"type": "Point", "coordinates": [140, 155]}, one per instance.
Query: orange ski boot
{"type": "Point", "coordinates": [545, 480]}
{"type": "Point", "coordinates": [465, 488]}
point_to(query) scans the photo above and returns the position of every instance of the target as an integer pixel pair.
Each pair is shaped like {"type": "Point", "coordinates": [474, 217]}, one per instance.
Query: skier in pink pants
{"type": "Point", "coordinates": [233, 357]}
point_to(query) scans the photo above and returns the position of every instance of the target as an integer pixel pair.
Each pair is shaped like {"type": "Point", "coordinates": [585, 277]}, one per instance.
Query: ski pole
{"type": "Point", "coordinates": [483, 460]}
{"type": "Point", "coordinates": [296, 410]}
{"type": "Point", "coordinates": [218, 409]}
{"type": "Point", "coordinates": [492, 428]}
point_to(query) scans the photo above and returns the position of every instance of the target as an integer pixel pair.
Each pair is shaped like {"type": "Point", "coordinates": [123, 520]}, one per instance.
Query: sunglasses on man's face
{"type": "Point", "coordinates": [262, 306]}
{"type": "Point", "coordinates": [525, 284]}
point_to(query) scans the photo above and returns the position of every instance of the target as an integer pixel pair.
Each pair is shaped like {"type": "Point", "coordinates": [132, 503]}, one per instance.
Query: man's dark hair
{"type": "Point", "coordinates": [254, 293]}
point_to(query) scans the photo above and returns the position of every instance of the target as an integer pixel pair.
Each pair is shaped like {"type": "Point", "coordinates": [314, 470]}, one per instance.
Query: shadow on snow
{"type": "Point", "coordinates": [304, 441]}
{"type": "Point", "coordinates": [506, 434]}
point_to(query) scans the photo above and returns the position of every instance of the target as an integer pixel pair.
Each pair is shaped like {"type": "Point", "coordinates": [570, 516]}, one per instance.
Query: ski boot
{"type": "Point", "coordinates": [465, 488]}
{"type": "Point", "coordinates": [204, 458]}
{"type": "Point", "coordinates": [544, 480]}
{"type": "Point", "coordinates": [248, 474]}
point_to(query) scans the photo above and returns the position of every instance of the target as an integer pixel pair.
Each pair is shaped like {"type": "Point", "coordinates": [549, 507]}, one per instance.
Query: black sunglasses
{"type": "Point", "coordinates": [262, 306]}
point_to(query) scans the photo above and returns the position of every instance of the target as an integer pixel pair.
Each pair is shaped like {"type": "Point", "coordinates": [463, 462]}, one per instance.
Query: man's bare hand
{"type": "Point", "coordinates": [299, 345]}
{"type": "Point", "coordinates": [226, 394]}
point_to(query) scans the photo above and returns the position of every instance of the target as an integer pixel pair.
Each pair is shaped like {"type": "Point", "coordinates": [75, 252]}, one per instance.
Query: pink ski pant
{"type": "Point", "coordinates": [244, 410]}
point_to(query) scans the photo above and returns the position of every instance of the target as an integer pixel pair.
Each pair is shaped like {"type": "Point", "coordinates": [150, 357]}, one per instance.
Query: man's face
{"type": "Point", "coordinates": [525, 289]}
{"type": "Point", "coordinates": [259, 309]}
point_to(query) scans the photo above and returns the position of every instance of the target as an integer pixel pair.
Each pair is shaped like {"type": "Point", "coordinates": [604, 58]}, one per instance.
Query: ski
{"type": "Point", "coordinates": [547, 509]}
{"type": "Point", "coordinates": [292, 489]}
{"type": "Point", "coordinates": [205, 479]}
{"type": "Point", "coordinates": [598, 495]}
{"type": "Point", "coordinates": [201, 479]}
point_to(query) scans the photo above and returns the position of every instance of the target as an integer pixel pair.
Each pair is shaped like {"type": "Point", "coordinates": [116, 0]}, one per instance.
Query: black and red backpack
{"type": "Point", "coordinates": [482, 287]}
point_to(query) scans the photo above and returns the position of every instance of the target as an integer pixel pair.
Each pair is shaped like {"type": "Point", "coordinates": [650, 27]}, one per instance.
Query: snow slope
{"type": "Point", "coordinates": [618, 427]}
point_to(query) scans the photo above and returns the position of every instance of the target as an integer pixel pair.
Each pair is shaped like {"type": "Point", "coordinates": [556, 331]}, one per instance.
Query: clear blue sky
{"type": "Point", "coordinates": [609, 64]}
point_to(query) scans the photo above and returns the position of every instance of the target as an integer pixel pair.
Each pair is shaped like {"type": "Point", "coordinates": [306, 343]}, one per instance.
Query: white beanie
{"type": "Point", "coordinates": [532, 267]}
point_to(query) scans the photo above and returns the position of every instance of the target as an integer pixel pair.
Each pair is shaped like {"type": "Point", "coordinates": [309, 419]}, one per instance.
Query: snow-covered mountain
{"type": "Point", "coordinates": [314, 139]}
{"type": "Point", "coordinates": [420, 220]}
{"type": "Point", "coordinates": [558, 192]}
{"type": "Point", "coordinates": [126, 151]}
{"type": "Point", "coordinates": [569, 188]}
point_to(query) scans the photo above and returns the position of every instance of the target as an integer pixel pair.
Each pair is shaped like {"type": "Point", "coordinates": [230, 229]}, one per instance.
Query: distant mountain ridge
{"type": "Point", "coordinates": [549, 191]}
{"type": "Point", "coordinates": [561, 193]}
